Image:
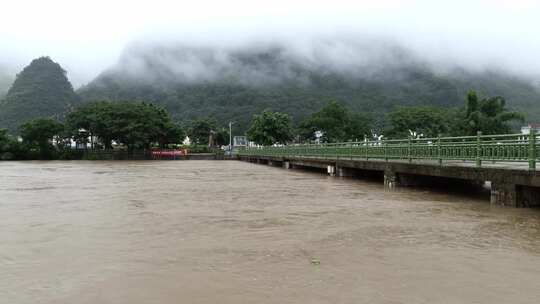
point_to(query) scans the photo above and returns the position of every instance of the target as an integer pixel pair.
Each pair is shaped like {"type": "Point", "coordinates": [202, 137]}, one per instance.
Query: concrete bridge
{"type": "Point", "coordinates": [507, 162]}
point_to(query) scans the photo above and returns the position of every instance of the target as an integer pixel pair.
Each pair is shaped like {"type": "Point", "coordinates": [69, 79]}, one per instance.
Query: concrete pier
{"type": "Point", "coordinates": [287, 165]}
{"type": "Point", "coordinates": [390, 179]}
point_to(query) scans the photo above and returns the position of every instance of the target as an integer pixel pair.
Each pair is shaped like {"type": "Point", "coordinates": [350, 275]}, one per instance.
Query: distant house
{"type": "Point", "coordinates": [240, 141]}
{"type": "Point", "coordinates": [526, 129]}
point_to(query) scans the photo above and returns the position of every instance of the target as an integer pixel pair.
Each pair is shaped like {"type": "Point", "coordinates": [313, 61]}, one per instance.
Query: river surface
{"type": "Point", "coordinates": [234, 232]}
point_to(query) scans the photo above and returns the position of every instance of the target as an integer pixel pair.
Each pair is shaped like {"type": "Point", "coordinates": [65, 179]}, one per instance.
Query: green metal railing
{"type": "Point", "coordinates": [479, 148]}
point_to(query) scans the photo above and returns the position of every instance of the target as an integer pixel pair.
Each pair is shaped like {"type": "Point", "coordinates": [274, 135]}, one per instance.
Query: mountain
{"type": "Point", "coordinates": [5, 82]}
{"type": "Point", "coordinates": [231, 84]}
{"type": "Point", "coordinates": [40, 90]}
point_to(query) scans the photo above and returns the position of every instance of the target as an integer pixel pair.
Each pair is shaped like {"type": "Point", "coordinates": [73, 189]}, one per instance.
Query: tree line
{"type": "Point", "coordinates": [139, 125]}
{"type": "Point", "coordinates": [335, 123]}
{"type": "Point", "coordinates": [98, 125]}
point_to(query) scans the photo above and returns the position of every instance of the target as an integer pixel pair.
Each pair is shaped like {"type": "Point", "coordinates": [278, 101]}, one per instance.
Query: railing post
{"type": "Point", "coordinates": [532, 149]}
{"type": "Point", "coordinates": [366, 146]}
{"type": "Point", "coordinates": [439, 149]}
{"type": "Point", "coordinates": [384, 149]}
{"type": "Point", "coordinates": [478, 149]}
{"type": "Point", "coordinates": [409, 147]}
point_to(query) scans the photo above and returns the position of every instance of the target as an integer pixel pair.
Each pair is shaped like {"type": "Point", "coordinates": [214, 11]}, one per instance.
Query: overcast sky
{"type": "Point", "coordinates": [88, 36]}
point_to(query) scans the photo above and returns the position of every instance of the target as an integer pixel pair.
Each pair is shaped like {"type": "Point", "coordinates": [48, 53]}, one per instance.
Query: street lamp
{"type": "Point", "coordinates": [230, 136]}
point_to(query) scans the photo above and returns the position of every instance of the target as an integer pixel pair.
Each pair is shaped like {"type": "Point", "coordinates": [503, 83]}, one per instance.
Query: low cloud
{"type": "Point", "coordinates": [343, 35]}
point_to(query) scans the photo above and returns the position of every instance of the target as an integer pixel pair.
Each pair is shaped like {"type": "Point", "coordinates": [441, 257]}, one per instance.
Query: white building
{"type": "Point", "coordinates": [527, 129]}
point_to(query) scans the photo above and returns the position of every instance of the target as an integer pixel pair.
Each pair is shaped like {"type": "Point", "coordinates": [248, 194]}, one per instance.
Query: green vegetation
{"type": "Point", "coordinates": [421, 120]}
{"type": "Point", "coordinates": [305, 90]}
{"type": "Point", "coordinates": [201, 130]}
{"type": "Point", "coordinates": [134, 125]}
{"type": "Point", "coordinates": [41, 138]}
{"type": "Point", "coordinates": [137, 125]}
{"type": "Point", "coordinates": [39, 133]}
{"type": "Point", "coordinates": [5, 82]}
{"type": "Point", "coordinates": [270, 128]}
{"type": "Point", "coordinates": [40, 90]}
{"type": "Point", "coordinates": [488, 115]}
{"type": "Point", "coordinates": [193, 148]}
{"type": "Point", "coordinates": [394, 102]}
{"type": "Point", "coordinates": [10, 148]}
{"type": "Point", "coordinates": [336, 124]}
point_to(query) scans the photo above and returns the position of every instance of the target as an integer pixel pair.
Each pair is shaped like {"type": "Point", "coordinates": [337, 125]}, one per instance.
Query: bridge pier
{"type": "Point", "coordinates": [344, 172]}
{"type": "Point", "coordinates": [503, 194]}
{"type": "Point", "coordinates": [331, 170]}
{"type": "Point", "coordinates": [508, 194]}
{"type": "Point", "coordinates": [339, 171]}
{"type": "Point", "coordinates": [391, 180]}
{"type": "Point", "coordinates": [275, 163]}
{"type": "Point", "coordinates": [527, 196]}
{"type": "Point", "coordinates": [287, 165]}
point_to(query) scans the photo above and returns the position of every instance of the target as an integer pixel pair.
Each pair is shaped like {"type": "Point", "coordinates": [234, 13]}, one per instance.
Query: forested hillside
{"type": "Point", "coordinates": [40, 90]}
{"type": "Point", "coordinates": [233, 85]}
{"type": "Point", "coordinates": [5, 82]}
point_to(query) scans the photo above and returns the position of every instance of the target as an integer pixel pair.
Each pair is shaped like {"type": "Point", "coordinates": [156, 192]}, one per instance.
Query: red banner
{"type": "Point", "coordinates": [169, 153]}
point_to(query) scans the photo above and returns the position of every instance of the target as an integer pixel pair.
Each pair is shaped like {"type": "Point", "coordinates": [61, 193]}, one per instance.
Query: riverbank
{"type": "Point", "coordinates": [83, 154]}
{"type": "Point", "coordinates": [147, 155]}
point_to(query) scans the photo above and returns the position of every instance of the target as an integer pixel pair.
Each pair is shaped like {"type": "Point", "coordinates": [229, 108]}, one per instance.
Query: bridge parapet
{"type": "Point", "coordinates": [479, 149]}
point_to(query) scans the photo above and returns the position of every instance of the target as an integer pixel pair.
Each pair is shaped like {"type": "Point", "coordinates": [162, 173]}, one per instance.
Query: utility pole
{"type": "Point", "coordinates": [230, 136]}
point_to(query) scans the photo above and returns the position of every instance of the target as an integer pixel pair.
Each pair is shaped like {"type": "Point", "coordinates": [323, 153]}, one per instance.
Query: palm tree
{"type": "Point", "coordinates": [488, 115]}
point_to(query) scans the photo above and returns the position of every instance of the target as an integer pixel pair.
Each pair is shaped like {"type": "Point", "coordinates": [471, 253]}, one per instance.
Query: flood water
{"type": "Point", "coordinates": [234, 232]}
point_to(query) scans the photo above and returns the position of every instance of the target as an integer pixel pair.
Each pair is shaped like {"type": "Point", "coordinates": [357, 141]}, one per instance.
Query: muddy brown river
{"type": "Point", "coordinates": [234, 232]}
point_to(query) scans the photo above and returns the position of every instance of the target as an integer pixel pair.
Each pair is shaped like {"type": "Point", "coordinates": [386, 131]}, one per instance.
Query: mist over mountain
{"type": "Point", "coordinates": [259, 63]}
{"type": "Point", "coordinates": [234, 82]}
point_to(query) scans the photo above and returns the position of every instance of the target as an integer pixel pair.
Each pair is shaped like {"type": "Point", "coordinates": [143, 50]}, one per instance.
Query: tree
{"type": "Point", "coordinates": [222, 137]}
{"type": "Point", "coordinates": [10, 148]}
{"type": "Point", "coordinates": [200, 129]}
{"type": "Point", "coordinates": [90, 121]}
{"type": "Point", "coordinates": [137, 125]}
{"type": "Point", "coordinates": [429, 121]}
{"type": "Point", "coordinates": [336, 123]}
{"type": "Point", "coordinates": [488, 115]}
{"type": "Point", "coordinates": [171, 134]}
{"type": "Point", "coordinates": [39, 133]}
{"type": "Point", "coordinates": [270, 128]}
{"type": "Point", "coordinates": [359, 125]}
